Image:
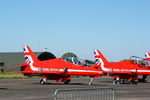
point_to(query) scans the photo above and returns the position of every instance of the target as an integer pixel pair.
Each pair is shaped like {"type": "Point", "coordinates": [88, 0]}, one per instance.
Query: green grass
{"type": "Point", "coordinates": [11, 75]}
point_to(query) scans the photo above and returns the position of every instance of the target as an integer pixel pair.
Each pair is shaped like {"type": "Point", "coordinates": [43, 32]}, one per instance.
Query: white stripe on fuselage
{"type": "Point", "coordinates": [34, 68]}
{"type": "Point", "coordinates": [143, 70]}
{"type": "Point", "coordinates": [61, 70]}
{"type": "Point", "coordinates": [102, 66]}
{"type": "Point", "coordinates": [30, 61]}
{"type": "Point", "coordinates": [74, 70]}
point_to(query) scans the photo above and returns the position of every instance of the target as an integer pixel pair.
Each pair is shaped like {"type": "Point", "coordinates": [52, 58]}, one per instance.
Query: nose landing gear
{"type": "Point", "coordinates": [90, 83]}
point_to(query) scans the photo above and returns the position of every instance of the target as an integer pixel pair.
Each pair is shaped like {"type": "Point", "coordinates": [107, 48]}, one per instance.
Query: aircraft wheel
{"type": "Point", "coordinates": [114, 82]}
{"type": "Point", "coordinates": [117, 82]}
{"type": "Point", "coordinates": [143, 79]}
{"type": "Point", "coordinates": [66, 81]}
{"type": "Point", "coordinates": [134, 82]}
{"type": "Point", "coordinates": [122, 81]}
{"type": "Point", "coordinates": [42, 82]}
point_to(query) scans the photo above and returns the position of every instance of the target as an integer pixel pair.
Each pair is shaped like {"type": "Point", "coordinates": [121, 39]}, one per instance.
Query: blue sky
{"type": "Point", "coordinates": [119, 28]}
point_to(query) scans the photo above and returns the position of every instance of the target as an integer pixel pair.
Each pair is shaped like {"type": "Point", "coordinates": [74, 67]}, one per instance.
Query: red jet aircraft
{"type": "Point", "coordinates": [124, 71]}
{"type": "Point", "coordinates": [58, 69]}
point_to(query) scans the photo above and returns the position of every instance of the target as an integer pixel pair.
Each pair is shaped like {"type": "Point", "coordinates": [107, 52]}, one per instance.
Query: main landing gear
{"type": "Point", "coordinates": [125, 81]}
{"type": "Point", "coordinates": [143, 79]}
{"type": "Point", "coordinates": [43, 81]}
{"type": "Point", "coordinates": [66, 81]}
{"type": "Point", "coordinates": [118, 82]}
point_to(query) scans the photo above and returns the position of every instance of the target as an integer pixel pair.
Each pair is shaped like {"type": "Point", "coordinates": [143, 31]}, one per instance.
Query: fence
{"type": "Point", "coordinates": [99, 93]}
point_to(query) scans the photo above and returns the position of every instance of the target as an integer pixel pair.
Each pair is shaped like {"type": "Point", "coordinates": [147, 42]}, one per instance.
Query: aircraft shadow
{"type": "Point", "coordinates": [80, 84]}
{"type": "Point", "coordinates": [107, 81]}
{"type": "Point", "coordinates": [66, 84]}
{"type": "Point", "coordinates": [144, 82]}
{"type": "Point", "coordinates": [3, 88]}
{"type": "Point", "coordinates": [62, 84]}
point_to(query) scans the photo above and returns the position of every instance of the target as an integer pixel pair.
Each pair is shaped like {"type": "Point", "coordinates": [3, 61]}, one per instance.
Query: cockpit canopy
{"type": "Point", "coordinates": [76, 61]}
{"type": "Point", "coordinates": [140, 60]}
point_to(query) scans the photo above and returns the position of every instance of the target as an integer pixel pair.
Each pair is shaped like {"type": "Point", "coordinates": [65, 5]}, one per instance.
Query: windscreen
{"type": "Point", "coordinates": [140, 61]}
{"type": "Point", "coordinates": [76, 61]}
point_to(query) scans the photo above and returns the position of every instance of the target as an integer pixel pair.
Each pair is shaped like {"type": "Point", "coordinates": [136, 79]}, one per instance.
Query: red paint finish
{"type": "Point", "coordinates": [54, 69]}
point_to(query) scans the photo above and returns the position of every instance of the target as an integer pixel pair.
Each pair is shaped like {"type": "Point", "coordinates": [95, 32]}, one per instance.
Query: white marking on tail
{"type": "Point", "coordinates": [99, 60]}
{"type": "Point", "coordinates": [147, 55]}
{"type": "Point", "coordinates": [29, 60]}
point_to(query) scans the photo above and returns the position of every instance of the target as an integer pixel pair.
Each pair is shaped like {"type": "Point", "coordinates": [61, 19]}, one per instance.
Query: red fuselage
{"type": "Point", "coordinates": [126, 67]}
{"type": "Point", "coordinates": [59, 67]}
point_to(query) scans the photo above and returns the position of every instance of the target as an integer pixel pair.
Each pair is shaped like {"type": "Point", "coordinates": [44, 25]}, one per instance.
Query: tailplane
{"type": "Point", "coordinates": [29, 56]}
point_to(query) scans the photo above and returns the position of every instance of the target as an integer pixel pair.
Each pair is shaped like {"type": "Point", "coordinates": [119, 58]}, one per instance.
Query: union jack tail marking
{"type": "Point", "coordinates": [29, 56]}
{"type": "Point", "coordinates": [99, 58]}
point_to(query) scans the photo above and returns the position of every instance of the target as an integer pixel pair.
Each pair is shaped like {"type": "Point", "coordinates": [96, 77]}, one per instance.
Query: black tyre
{"type": "Point", "coordinates": [66, 81]}
{"type": "Point", "coordinates": [42, 82]}
{"type": "Point", "coordinates": [134, 82]}
{"type": "Point", "coordinates": [117, 82]}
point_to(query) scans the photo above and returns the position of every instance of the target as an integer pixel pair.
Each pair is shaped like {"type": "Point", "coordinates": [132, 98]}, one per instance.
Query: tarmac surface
{"type": "Point", "coordinates": [30, 89]}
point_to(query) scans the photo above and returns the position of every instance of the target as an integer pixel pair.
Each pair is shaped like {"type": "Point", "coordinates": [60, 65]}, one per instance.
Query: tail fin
{"type": "Point", "coordinates": [29, 56]}
{"type": "Point", "coordinates": [99, 58]}
{"type": "Point", "coordinates": [147, 55]}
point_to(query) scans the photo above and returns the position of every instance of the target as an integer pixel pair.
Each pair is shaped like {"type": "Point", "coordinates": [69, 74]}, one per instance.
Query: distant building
{"type": "Point", "coordinates": [12, 59]}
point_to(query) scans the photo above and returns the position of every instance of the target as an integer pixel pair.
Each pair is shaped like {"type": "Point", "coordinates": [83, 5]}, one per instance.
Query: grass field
{"type": "Point", "coordinates": [13, 75]}
{"type": "Point", "coordinates": [7, 75]}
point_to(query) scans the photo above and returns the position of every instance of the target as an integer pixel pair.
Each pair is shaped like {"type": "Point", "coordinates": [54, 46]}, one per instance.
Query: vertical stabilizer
{"type": "Point", "coordinates": [147, 55]}
{"type": "Point", "coordinates": [101, 60]}
{"type": "Point", "coordinates": [29, 56]}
